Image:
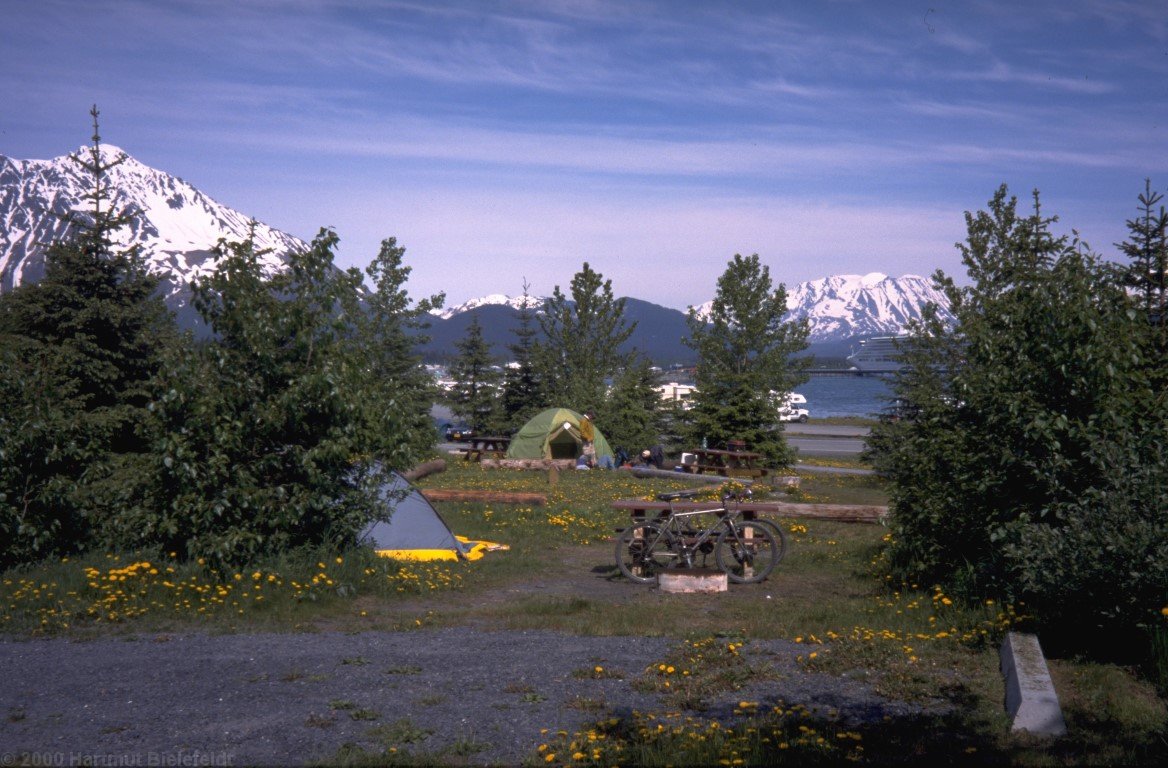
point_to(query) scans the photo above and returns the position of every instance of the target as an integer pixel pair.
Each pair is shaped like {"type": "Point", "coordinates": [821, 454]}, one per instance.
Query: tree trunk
{"type": "Point", "coordinates": [425, 468]}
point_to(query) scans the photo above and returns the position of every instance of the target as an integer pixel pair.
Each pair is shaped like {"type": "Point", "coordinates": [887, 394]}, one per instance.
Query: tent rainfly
{"type": "Point", "coordinates": [553, 434]}
{"type": "Point", "coordinates": [415, 530]}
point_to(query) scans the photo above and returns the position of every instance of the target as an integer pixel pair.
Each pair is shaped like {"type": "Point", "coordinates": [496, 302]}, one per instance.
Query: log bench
{"type": "Point", "coordinates": [639, 509]}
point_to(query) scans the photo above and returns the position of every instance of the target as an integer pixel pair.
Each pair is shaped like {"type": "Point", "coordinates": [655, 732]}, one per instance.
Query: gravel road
{"type": "Point", "coordinates": [278, 699]}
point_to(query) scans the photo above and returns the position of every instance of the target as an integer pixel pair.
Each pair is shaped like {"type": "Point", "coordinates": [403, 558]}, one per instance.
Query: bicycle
{"type": "Point", "coordinates": [746, 550]}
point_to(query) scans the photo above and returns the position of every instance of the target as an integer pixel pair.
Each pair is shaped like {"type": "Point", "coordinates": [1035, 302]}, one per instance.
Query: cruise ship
{"type": "Point", "coordinates": [878, 354]}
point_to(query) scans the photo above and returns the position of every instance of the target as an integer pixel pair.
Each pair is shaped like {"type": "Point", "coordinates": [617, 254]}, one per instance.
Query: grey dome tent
{"type": "Point", "coordinates": [415, 530]}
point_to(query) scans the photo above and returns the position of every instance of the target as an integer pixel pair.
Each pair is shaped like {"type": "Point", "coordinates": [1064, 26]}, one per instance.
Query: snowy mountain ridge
{"type": "Point", "coordinates": [836, 308]}
{"type": "Point", "coordinates": [175, 225]}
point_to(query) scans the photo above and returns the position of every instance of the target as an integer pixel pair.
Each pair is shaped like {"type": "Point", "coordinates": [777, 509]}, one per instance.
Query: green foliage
{"type": "Point", "coordinates": [522, 395]}
{"type": "Point", "coordinates": [582, 339]}
{"type": "Point", "coordinates": [277, 433]}
{"type": "Point", "coordinates": [1147, 248]}
{"type": "Point", "coordinates": [634, 415]}
{"type": "Point", "coordinates": [475, 394]}
{"type": "Point", "coordinates": [388, 330]}
{"type": "Point", "coordinates": [1030, 463]}
{"type": "Point", "coordinates": [78, 353]}
{"type": "Point", "coordinates": [744, 354]}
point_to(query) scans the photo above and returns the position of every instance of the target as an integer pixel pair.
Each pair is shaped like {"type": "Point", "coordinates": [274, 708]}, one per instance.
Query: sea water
{"type": "Point", "coordinates": [827, 396]}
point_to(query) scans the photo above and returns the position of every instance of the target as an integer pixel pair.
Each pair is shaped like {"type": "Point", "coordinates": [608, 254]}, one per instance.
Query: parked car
{"type": "Point", "coordinates": [458, 433]}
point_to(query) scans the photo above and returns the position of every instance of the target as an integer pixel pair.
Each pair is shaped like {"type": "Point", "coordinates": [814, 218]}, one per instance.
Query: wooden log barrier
{"type": "Point", "coordinates": [425, 468]}
{"type": "Point", "coordinates": [544, 464]}
{"type": "Point", "coordinates": [487, 497]}
{"type": "Point", "coordinates": [843, 513]}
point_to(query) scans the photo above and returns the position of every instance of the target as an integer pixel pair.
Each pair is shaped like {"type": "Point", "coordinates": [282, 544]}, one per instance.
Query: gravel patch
{"type": "Point", "coordinates": [278, 699]}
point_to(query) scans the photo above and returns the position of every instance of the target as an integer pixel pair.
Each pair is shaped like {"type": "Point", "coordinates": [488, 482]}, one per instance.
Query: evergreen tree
{"type": "Point", "coordinates": [633, 414]}
{"type": "Point", "coordinates": [745, 351]}
{"type": "Point", "coordinates": [80, 349]}
{"type": "Point", "coordinates": [390, 331]}
{"type": "Point", "coordinates": [582, 340]}
{"type": "Point", "coordinates": [521, 398]}
{"type": "Point", "coordinates": [1147, 249]}
{"type": "Point", "coordinates": [474, 397]}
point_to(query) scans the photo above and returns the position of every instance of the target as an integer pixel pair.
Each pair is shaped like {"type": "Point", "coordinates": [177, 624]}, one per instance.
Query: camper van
{"type": "Point", "coordinates": [793, 407]}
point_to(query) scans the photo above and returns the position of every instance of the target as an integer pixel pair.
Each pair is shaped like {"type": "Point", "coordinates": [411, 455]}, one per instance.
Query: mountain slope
{"type": "Point", "coordinates": [842, 307]}
{"type": "Point", "coordinates": [176, 225]}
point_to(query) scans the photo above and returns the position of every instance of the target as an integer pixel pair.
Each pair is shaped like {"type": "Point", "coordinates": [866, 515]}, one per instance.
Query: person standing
{"type": "Point", "coordinates": [588, 437]}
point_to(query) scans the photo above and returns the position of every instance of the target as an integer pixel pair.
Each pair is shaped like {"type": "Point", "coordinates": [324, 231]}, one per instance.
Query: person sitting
{"type": "Point", "coordinates": [583, 461]}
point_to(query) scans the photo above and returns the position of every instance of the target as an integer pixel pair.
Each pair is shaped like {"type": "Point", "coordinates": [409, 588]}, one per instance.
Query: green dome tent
{"type": "Point", "coordinates": [553, 434]}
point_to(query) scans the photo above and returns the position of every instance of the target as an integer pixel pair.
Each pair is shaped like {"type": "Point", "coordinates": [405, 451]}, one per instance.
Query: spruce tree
{"type": "Point", "coordinates": [521, 397]}
{"type": "Point", "coordinates": [474, 397]}
{"type": "Point", "coordinates": [390, 331]}
{"type": "Point", "coordinates": [1147, 250]}
{"type": "Point", "coordinates": [80, 349]}
{"type": "Point", "coordinates": [745, 353]}
{"type": "Point", "coordinates": [582, 339]}
{"type": "Point", "coordinates": [634, 411]}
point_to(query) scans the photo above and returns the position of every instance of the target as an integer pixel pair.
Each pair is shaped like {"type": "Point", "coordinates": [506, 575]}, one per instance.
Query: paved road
{"type": "Point", "coordinates": [825, 430]}
{"type": "Point", "coordinates": [826, 439]}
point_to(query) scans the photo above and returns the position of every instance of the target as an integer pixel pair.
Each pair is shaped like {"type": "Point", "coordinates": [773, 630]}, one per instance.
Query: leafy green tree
{"type": "Point", "coordinates": [745, 352]}
{"type": "Point", "coordinates": [474, 397]}
{"type": "Point", "coordinates": [271, 432]}
{"type": "Point", "coordinates": [522, 394]}
{"type": "Point", "coordinates": [1031, 463]}
{"type": "Point", "coordinates": [79, 351]}
{"type": "Point", "coordinates": [582, 339]}
{"type": "Point", "coordinates": [634, 411]}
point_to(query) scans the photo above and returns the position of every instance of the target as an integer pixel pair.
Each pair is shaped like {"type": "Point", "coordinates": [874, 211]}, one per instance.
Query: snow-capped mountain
{"type": "Point", "coordinates": [844, 306]}
{"type": "Point", "coordinates": [176, 225]}
{"type": "Point", "coordinates": [862, 305]}
{"type": "Point", "coordinates": [494, 299]}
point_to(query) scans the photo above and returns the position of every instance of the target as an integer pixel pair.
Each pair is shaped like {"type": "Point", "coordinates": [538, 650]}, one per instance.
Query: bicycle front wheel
{"type": "Point", "coordinates": [747, 552]}
{"type": "Point", "coordinates": [643, 551]}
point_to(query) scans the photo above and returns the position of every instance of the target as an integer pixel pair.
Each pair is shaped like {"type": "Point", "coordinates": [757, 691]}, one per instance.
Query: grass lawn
{"type": "Point", "coordinates": [910, 643]}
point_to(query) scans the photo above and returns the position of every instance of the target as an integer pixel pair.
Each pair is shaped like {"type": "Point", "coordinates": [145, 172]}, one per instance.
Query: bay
{"type": "Point", "coordinates": [828, 396]}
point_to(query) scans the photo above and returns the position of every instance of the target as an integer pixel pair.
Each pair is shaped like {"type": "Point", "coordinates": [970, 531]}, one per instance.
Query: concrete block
{"type": "Point", "coordinates": [691, 580]}
{"type": "Point", "coordinates": [1031, 701]}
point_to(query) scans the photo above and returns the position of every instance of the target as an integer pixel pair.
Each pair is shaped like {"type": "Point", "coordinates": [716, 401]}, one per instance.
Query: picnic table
{"type": "Point", "coordinates": [727, 463]}
{"type": "Point", "coordinates": [491, 446]}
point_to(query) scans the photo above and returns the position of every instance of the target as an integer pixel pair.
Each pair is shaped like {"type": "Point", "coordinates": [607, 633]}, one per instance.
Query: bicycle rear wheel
{"type": "Point", "coordinates": [747, 552]}
{"type": "Point", "coordinates": [643, 551]}
{"type": "Point", "coordinates": [780, 537]}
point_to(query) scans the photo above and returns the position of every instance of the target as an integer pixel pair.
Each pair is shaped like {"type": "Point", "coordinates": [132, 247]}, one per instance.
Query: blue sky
{"type": "Point", "coordinates": [654, 140]}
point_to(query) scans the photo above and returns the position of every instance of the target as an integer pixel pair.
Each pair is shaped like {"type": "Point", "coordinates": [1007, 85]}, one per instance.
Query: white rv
{"type": "Point", "coordinates": [792, 407]}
